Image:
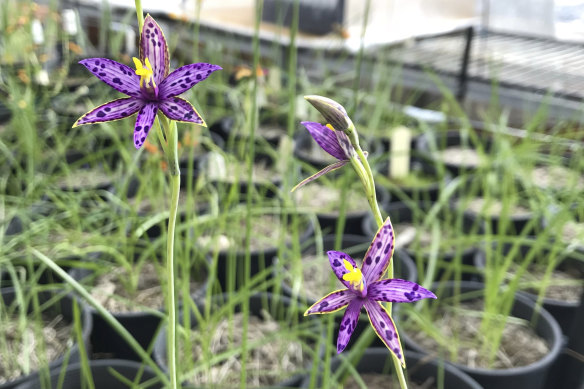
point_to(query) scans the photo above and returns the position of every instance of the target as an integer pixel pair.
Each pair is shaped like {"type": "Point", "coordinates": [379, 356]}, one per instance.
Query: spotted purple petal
{"type": "Point", "coordinates": [184, 78]}
{"type": "Point", "coordinates": [379, 254]}
{"type": "Point", "coordinates": [180, 110]}
{"type": "Point", "coordinates": [345, 144]}
{"type": "Point", "coordinates": [114, 110]}
{"type": "Point", "coordinates": [397, 291]}
{"type": "Point", "coordinates": [349, 323]}
{"type": "Point", "coordinates": [332, 302]}
{"type": "Point", "coordinates": [336, 260]}
{"type": "Point", "coordinates": [385, 328]}
{"type": "Point", "coordinates": [153, 45]}
{"type": "Point", "coordinates": [144, 123]}
{"type": "Point", "coordinates": [119, 76]}
{"type": "Point", "coordinates": [329, 168]}
{"type": "Point", "coordinates": [326, 138]}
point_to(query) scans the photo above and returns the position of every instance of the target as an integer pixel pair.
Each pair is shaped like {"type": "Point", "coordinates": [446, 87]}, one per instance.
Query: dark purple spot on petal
{"type": "Point", "coordinates": [100, 114]}
{"type": "Point", "coordinates": [336, 263]}
{"type": "Point", "coordinates": [416, 287]}
{"type": "Point", "coordinates": [151, 25]}
{"type": "Point", "coordinates": [198, 76]}
{"type": "Point", "coordinates": [378, 245]}
{"type": "Point", "coordinates": [377, 258]}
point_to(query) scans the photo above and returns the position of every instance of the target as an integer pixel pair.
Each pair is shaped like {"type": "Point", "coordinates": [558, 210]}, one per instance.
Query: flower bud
{"type": "Point", "coordinates": [333, 112]}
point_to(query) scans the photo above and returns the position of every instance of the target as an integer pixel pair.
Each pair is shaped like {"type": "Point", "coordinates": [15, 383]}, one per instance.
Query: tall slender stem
{"type": "Point", "coordinates": [172, 156]}
{"type": "Point", "coordinates": [369, 184]}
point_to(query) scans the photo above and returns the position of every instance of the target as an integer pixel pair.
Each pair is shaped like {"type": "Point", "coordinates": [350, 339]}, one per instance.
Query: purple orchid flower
{"type": "Point", "coordinates": [336, 143]}
{"type": "Point", "coordinates": [150, 87]}
{"type": "Point", "coordinates": [366, 288]}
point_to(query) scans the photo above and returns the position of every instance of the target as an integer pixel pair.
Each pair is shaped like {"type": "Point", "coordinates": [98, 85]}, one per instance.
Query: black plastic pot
{"type": "Point", "coordinates": [356, 246]}
{"type": "Point", "coordinates": [261, 189]}
{"type": "Point", "coordinates": [415, 213]}
{"type": "Point", "coordinates": [57, 302]}
{"type": "Point", "coordinates": [420, 369]}
{"type": "Point", "coordinates": [428, 144]}
{"type": "Point", "coordinates": [513, 224]}
{"type": "Point", "coordinates": [102, 373]}
{"type": "Point", "coordinates": [428, 193]}
{"type": "Point", "coordinates": [142, 325]}
{"type": "Point", "coordinates": [5, 113]}
{"type": "Point", "coordinates": [278, 307]}
{"type": "Point", "coordinates": [532, 376]}
{"type": "Point", "coordinates": [563, 311]}
{"type": "Point", "coordinates": [195, 166]}
{"type": "Point", "coordinates": [353, 220]}
{"type": "Point", "coordinates": [271, 128]}
{"type": "Point", "coordinates": [260, 261]}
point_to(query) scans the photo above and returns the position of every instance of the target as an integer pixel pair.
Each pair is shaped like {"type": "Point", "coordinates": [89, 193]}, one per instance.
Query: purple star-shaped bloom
{"type": "Point", "coordinates": [364, 287]}
{"type": "Point", "coordinates": [150, 87]}
{"type": "Point", "coordinates": [336, 143]}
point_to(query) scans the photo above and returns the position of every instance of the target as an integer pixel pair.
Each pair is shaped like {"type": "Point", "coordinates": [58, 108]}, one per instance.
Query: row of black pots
{"type": "Point", "coordinates": [106, 373]}
{"type": "Point", "coordinates": [521, 299]}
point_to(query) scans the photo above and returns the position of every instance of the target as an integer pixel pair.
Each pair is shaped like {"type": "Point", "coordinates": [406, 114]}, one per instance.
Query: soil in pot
{"type": "Point", "coordinates": [462, 157]}
{"type": "Point", "coordinates": [229, 170]}
{"type": "Point", "coordinates": [422, 183]}
{"type": "Point", "coordinates": [480, 212]}
{"type": "Point", "coordinates": [267, 231]}
{"type": "Point", "coordinates": [32, 344]}
{"type": "Point", "coordinates": [42, 337]}
{"type": "Point", "coordinates": [493, 208]}
{"type": "Point", "coordinates": [520, 345]}
{"type": "Point", "coordinates": [111, 289]}
{"type": "Point", "coordinates": [557, 177]}
{"type": "Point", "coordinates": [278, 351]}
{"type": "Point", "coordinates": [573, 233]}
{"type": "Point", "coordinates": [326, 199]}
{"type": "Point", "coordinates": [84, 179]}
{"type": "Point", "coordinates": [271, 357]}
{"type": "Point", "coordinates": [566, 282]}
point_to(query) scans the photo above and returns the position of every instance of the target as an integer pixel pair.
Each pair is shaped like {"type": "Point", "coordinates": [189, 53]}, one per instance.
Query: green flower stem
{"type": "Point", "coordinates": [139, 14]}
{"type": "Point", "coordinates": [369, 183]}
{"type": "Point", "coordinates": [104, 313]}
{"type": "Point", "coordinates": [172, 156]}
